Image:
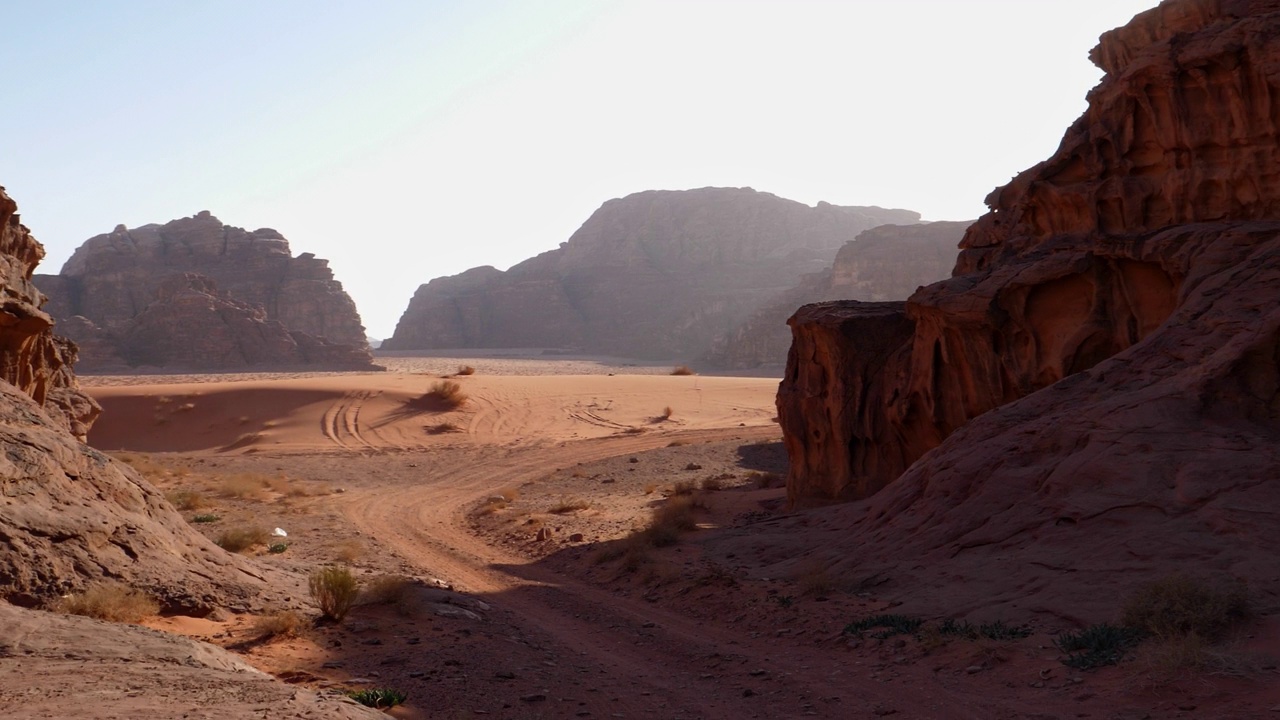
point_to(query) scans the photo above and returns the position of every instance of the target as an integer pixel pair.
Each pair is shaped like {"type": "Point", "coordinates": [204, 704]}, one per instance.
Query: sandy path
{"type": "Point", "coordinates": [650, 662]}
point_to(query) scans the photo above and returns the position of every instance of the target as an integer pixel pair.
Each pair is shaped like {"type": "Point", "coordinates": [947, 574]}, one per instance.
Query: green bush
{"type": "Point", "coordinates": [378, 697]}
{"type": "Point", "coordinates": [206, 518]}
{"type": "Point", "coordinates": [1096, 645]}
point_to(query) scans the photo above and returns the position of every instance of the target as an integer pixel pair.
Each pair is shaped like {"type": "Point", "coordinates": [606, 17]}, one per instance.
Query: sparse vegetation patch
{"type": "Point", "coordinates": [239, 539]}
{"type": "Point", "coordinates": [889, 625]}
{"type": "Point", "coordinates": [283, 624]}
{"type": "Point", "coordinates": [1179, 605]}
{"type": "Point", "coordinates": [378, 697]}
{"type": "Point", "coordinates": [109, 600]}
{"type": "Point", "coordinates": [1096, 645]}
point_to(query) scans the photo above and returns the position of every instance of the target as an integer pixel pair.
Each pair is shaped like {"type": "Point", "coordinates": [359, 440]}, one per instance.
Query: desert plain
{"type": "Point", "coordinates": [502, 543]}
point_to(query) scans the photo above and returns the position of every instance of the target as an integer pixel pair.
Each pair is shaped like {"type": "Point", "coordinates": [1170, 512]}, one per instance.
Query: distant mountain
{"type": "Point", "coordinates": [196, 294]}
{"type": "Point", "coordinates": [657, 274]}
{"type": "Point", "coordinates": [884, 263]}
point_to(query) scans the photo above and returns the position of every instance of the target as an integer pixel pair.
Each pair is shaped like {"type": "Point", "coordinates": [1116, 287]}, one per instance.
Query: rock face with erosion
{"type": "Point", "coordinates": [1096, 390]}
{"type": "Point", "coordinates": [888, 262]}
{"type": "Point", "coordinates": [203, 280]}
{"type": "Point", "coordinates": [655, 275]}
{"type": "Point", "coordinates": [70, 515]}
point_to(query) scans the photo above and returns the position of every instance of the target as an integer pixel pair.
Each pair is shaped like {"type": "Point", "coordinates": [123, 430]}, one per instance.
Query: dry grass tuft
{"type": "Point", "coordinates": [712, 484]}
{"type": "Point", "coordinates": [669, 520]}
{"type": "Point", "coordinates": [568, 505]}
{"type": "Point", "coordinates": [186, 499]}
{"type": "Point", "coordinates": [334, 589]}
{"type": "Point", "coordinates": [682, 370]}
{"type": "Point", "coordinates": [443, 394]}
{"type": "Point", "coordinates": [814, 579]}
{"type": "Point", "coordinates": [282, 624]}
{"type": "Point", "coordinates": [110, 600]}
{"type": "Point", "coordinates": [765, 480]}
{"type": "Point", "coordinates": [348, 551]}
{"type": "Point", "coordinates": [466, 370]}
{"type": "Point", "coordinates": [244, 486]}
{"type": "Point", "coordinates": [667, 412]}
{"type": "Point", "coordinates": [649, 488]}
{"type": "Point", "coordinates": [684, 487]}
{"type": "Point", "coordinates": [1180, 606]}
{"type": "Point", "coordinates": [239, 539]}
{"type": "Point", "coordinates": [394, 590]}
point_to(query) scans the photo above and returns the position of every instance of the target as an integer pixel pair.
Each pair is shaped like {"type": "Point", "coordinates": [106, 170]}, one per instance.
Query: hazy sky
{"type": "Point", "coordinates": [408, 140]}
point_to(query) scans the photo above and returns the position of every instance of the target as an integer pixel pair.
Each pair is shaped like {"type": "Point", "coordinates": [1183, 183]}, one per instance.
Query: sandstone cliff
{"type": "Point", "coordinates": [888, 262]}
{"type": "Point", "coordinates": [656, 274]}
{"type": "Point", "coordinates": [69, 514]}
{"type": "Point", "coordinates": [1096, 389]}
{"type": "Point", "coordinates": [112, 296]}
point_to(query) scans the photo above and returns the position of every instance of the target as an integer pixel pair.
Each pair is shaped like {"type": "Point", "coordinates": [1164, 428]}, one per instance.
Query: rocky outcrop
{"type": "Point", "coordinates": [69, 514]}
{"type": "Point", "coordinates": [888, 262]}
{"type": "Point", "coordinates": [656, 274]}
{"type": "Point", "coordinates": [1096, 388]}
{"type": "Point", "coordinates": [113, 297]}
{"type": "Point", "coordinates": [32, 359]}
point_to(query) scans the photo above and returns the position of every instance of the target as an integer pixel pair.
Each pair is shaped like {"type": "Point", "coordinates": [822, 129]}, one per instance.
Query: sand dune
{"type": "Point", "coordinates": [376, 412]}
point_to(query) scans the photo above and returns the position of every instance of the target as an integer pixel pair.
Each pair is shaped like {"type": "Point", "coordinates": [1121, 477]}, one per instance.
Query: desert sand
{"type": "Point", "coordinates": [512, 515]}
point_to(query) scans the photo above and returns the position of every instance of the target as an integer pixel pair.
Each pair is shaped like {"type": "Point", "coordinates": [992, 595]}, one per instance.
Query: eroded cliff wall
{"type": "Point", "coordinates": [112, 292]}
{"type": "Point", "coordinates": [656, 274]}
{"type": "Point", "coordinates": [1095, 392]}
{"type": "Point", "coordinates": [70, 515]}
{"type": "Point", "coordinates": [888, 262]}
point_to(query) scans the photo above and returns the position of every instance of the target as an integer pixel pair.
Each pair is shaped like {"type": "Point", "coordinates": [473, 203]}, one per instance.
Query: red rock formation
{"type": "Point", "coordinates": [888, 262]}
{"type": "Point", "coordinates": [68, 513]}
{"type": "Point", "coordinates": [656, 274]}
{"type": "Point", "coordinates": [31, 358]}
{"type": "Point", "coordinates": [113, 279]}
{"type": "Point", "coordinates": [1117, 306]}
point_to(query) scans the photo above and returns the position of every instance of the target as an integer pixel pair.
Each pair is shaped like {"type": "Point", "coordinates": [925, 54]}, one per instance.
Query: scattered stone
{"type": "Point", "coordinates": [533, 697]}
{"type": "Point", "coordinates": [505, 675]}
{"type": "Point", "coordinates": [973, 669]}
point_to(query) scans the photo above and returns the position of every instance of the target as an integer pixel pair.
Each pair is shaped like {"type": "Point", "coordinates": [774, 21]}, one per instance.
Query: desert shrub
{"type": "Point", "coordinates": [444, 393]}
{"type": "Point", "coordinates": [277, 548]}
{"type": "Point", "coordinates": [669, 520]}
{"type": "Point", "coordinates": [889, 625]}
{"type": "Point", "coordinates": [243, 486]}
{"type": "Point", "coordinates": [186, 499]}
{"type": "Point", "coordinates": [667, 412]}
{"type": "Point", "coordinates": [815, 579]}
{"type": "Point", "coordinates": [1180, 605]}
{"type": "Point", "coordinates": [206, 518]}
{"type": "Point", "coordinates": [378, 697]}
{"type": "Point", "coordinates": [386, 590]}
{"type": "Point", "coordinates": [684, 487]}
{"type": "Point", "coordinates": [110, 600]}
{"type": "Point", "coordinates": [568, 505]}
{"type": "Point", "coordinates": [682, 370]}
{"type": "Point", "coordinates": [334, 589]}
{"type": "Point", "coordinates": [282, 624]}
{"type": "Point", "coordinates": [239, 539]}
{"type": "Point", "coordinates": [712, 484]}
{"type": "Point", "coordinates": [999, 630]}
{"type": "Point", "coordinates": [348, 551]}
{"type": "Point", "coordinates": [765, 480]}
{"type": "Point", "coordinates": [466, 370]}
{"type": "Point", "coordinates": [1096, 645]}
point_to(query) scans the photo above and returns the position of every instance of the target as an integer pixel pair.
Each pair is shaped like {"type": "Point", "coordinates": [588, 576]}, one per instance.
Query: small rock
{"type": "Point", "coordinates": [533, 697]}
{"type": "Point", "coordinates": [576, 537]}
{"type": "Point", "coordinates": [505, 675]}
{"type": "Point", "coordinates": [633, 459]}
{"type": "Point", "coordinates": [748, 692]}
{"type": "Point", "coordinates": [544, 534]}
{"type": "Point", "coordinates": [693, 466]}
{"type": "Point", "coordinates": [758, 672]}
{"type": "Point", "coordinates": [373, 641]}
{"type": "Point", "coordinates": [649, 625]}
{"type": "Point", "coordinates": [882, 711]}
{"type": "Point", "coordinates": [973, 669]}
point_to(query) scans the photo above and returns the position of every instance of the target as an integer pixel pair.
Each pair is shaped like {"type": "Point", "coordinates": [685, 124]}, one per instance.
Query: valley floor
{"type": "Point", "coordinates": [520, 515]}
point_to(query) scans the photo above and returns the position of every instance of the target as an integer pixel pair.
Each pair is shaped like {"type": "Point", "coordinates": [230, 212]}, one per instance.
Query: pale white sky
{"type": "Point", "coordinates": [408, 140]}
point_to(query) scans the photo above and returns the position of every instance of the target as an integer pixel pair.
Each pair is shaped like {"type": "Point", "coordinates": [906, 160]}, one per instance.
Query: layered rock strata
{"type": "Point", "coordinates": [114, 292]}
{"type": "Point", "coordinates": [888, 262]}
{"type": "Point", "coordinates": [1097, 389]}
{"type": "Point", "coordinates": [70, 515]}
{"type": "Point", "coordinates": [655, 275]}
